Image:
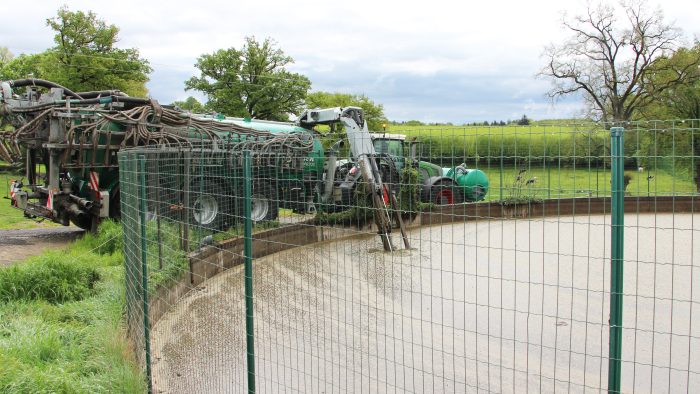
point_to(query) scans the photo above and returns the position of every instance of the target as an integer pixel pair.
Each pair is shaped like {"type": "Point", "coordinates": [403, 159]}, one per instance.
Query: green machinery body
{"type": "Point", "coordinates": [76, 138]}
{"type": "Point", "coordinates": [439, 185]}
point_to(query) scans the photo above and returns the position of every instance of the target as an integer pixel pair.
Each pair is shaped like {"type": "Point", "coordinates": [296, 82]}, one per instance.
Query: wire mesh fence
{"type": "Point", "coordinates": [495, 259]}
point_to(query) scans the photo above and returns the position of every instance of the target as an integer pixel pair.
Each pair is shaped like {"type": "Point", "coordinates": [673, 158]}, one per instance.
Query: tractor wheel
{"type": "Point", "coordinates": [445, 193]}
{"type": "Point", "coordinates": [209, 208]}
{"type": "Point", "coordinates": [265, 203]}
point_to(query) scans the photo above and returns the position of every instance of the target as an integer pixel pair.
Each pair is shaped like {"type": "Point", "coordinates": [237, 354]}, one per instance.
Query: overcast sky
{"type": "Point", "coordinates": [455, 61]}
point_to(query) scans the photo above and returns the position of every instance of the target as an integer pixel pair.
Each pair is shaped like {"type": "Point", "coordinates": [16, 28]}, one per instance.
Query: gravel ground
{"type": "Point", "coordinates": [498, 306]}
{"type": "Point", "coordinates": [17, 245]}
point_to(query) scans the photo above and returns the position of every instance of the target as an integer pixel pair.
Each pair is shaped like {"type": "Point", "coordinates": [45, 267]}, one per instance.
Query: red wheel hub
{"type": "Point", "coordinates": [445, 195]}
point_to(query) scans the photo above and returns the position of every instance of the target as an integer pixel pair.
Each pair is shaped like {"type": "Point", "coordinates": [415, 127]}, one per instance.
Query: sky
{"type": "Point", "coordinates": [433, 61]}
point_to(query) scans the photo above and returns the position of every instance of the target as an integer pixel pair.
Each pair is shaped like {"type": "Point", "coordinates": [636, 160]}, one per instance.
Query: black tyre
{"type": "Point", "coordinates": [445, 193]}
{"type": "Point", "coordinates": [265, 203]}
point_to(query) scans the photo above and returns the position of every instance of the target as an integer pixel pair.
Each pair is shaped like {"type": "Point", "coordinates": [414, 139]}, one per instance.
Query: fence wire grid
{"type": "Point", "coordinates": [529, 249]}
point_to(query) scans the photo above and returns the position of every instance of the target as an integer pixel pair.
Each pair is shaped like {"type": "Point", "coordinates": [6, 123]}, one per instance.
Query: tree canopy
{"type": "Point", "coordinates": [84, 57]}
{"type": "Point", "coordinates": [610, 58]}
{"type": "Point", "coordinates": [683, 100]}
{"type": "Point", "coordinates": [374, 113]}
{"type": "Point", "coordinates": [5, 56]}
{"type": "Point", "coordinates": [191, 104]}
{"type": "Point", "coordinates": [250, 82]}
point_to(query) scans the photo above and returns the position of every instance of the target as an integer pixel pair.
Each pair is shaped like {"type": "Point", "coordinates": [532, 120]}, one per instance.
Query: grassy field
{"type": "Point", "coordinates": [563, 159]}
{"type": "Point", "coordinates": [650, 145]}
{"type": "Point", "coordinates": [61, 328]}
{"type": "Point", "coordinates": [579, 182]}
{"type": "Point", "coordinates": [13, 218]}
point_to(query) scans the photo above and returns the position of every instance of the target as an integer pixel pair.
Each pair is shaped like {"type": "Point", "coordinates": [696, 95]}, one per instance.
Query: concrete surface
{"type": "Point", "coordinates": [496, 306]}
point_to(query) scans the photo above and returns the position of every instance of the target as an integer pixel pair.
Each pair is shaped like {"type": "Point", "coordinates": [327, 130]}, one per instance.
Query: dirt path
{"type": "Point", "coordinates": [17, 245]}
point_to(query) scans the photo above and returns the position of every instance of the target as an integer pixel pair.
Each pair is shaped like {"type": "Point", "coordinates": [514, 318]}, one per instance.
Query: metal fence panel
{"type": "Point", "coordinates": [518, 291]}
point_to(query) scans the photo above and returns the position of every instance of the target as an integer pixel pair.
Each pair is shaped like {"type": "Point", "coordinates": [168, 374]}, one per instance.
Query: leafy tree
{"type": "Point", "coordinates": [524, 121]}
{"type": "Point", "coordinates": [85, 57]}
{"type": "Point", "coordinates": [5, 56]}
{"type": "Point", "coordinates": [683, 100]}
{"type": "Point", "coordinates": [24, 66]}
{"type": "Point", "coordinates": [679, 150]}
{"type": "Point", "coordinates": [251, 82]}
{"type": "Point", "coordinates": [611, 63]}
{"type": "Point", "coordinates": [191, 104]}
{"type": "Point", "coordinates": [374, 113]}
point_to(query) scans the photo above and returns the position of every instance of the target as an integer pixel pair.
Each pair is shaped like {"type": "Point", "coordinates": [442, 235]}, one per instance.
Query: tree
{"type": "Point", "coordinates": [85, 57]}
{"type": "Point", "coordinates": [5, 56]}
{"type": "Point", "coordinates": [524, 121]}
{"type": "Point", "coordinates": [191, 104]}
{"type": "Point", "coordinates": [374, 113]}
{"type": "Point", "coordinates": [610, 62]}
{"type": "Point", "coordinates": [681, 101]}
{"type": "Point", "coordinates": [679, 150]}
{"type": "Point", "coordinates": [24, 66]}
{"type": "Point", "coordinates": [250, 82]}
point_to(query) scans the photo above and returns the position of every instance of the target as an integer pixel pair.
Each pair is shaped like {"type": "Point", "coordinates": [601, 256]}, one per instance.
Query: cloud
{"type": "Point", "coordinates": [436, 61]}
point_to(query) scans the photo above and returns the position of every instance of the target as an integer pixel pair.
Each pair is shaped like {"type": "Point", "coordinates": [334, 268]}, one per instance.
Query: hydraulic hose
{"type": "Point", "coordinates": [43, 83]}
{"type": "Point", "coordinates": [101, 93]}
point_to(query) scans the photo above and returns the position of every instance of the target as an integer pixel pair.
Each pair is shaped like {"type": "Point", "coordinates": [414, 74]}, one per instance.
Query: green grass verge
{"type": "Point", "coordinates": [72, 343]}
{"type": "Point", "coordinates": [11, 218]}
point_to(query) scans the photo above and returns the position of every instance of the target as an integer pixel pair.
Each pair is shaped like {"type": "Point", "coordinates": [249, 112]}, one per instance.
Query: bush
{"type": "Point", "coordinates": [49, 279]}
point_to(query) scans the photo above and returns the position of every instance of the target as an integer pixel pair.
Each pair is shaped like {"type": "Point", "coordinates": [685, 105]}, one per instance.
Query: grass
{"type": "Point", "coordinates": [560, 158]}
{"type": "Point", "coordinates": [14, 218]}
{"type": "Point", "coordinates": [579, 182]}
{"type": "Point", "coordinates": [74, 342]}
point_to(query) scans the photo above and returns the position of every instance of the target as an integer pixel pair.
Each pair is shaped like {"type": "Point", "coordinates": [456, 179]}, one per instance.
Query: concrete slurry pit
{"type": "Point", "coordinates": [497, 305]}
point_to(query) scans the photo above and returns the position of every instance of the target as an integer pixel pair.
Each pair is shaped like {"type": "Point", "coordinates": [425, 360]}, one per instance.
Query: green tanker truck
{"type": "Point", "coordinates": [68, 144]}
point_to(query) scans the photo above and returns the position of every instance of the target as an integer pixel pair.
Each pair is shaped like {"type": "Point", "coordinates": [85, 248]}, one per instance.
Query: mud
{"type": "Point", "coordinates": [500, 306]}
{"type": "Point", "coordinates": [17, 245]}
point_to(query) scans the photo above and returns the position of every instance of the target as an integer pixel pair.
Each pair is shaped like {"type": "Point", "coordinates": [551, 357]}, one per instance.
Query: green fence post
{"type": "Point", "coordinates": [248, 260]}
{"type": "Point", "coordinates": [500, 185]}
{"type": "Point", "coordinates": [616, 258]}
{"type": "Point", "coordinates": [144, 269]}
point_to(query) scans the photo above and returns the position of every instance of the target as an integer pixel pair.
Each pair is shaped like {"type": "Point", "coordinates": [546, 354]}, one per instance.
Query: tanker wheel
{"type": "Point", "coordinates": [478, 192]}
{"type": "Point", "coordinates": [264, 203]}
{"type": "Point", "coordinates": [210, 207]}
{"type": "Point", "coordinates": [445, 193]}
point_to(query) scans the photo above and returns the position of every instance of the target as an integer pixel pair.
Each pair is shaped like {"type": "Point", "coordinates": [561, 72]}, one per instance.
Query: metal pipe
{"type": "Point", "coordinates": [87, 204]}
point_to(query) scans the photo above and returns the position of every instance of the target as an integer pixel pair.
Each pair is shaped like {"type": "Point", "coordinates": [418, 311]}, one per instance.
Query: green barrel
{"type": "Point", "coordinates": [474, 183]}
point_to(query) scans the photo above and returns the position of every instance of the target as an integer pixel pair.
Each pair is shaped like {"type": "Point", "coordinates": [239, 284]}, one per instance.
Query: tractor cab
{"type": "Point", "coordinates": [393, 145]}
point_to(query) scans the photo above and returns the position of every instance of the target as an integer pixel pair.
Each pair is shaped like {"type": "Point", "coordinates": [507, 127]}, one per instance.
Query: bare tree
{"type": "Point", "coordinates": [611, 62]}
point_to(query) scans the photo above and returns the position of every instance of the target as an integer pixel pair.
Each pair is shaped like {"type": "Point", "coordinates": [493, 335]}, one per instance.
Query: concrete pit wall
{"type": "Point", "coordinates": [212, 260]}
